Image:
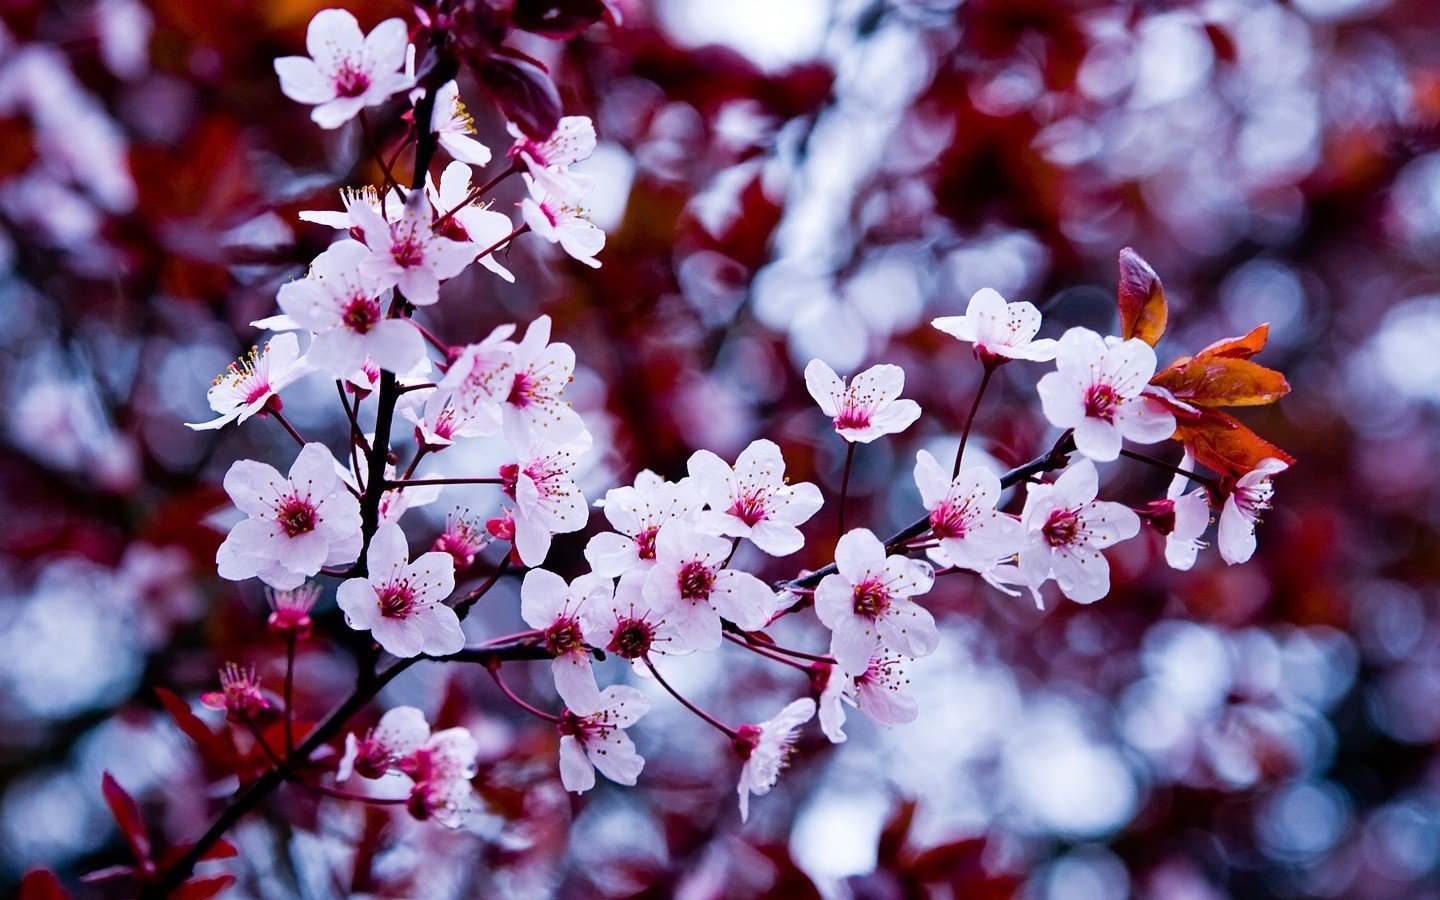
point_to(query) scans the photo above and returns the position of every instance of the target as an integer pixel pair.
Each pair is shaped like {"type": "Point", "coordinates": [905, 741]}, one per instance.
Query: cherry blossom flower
{"type": "Point", "coordinates": [869, 407]}
{"type": "Point", "coordinates": [401, 603]}
{"type": "Point", "coordinates": [752, 500]}
{"type": "Point", "coordinates": [866, 602]}
{"type": "Point", "coordinates": [401, 732]}
{"type": "Point", "coordinates": [971, 532]}
{"type": "Point", "coordinates": [347, 315]}
{"type": "Point", "coordinates": [351, 197]}
{"type": "Point", "coordinates": [1065, 530]}
{"type": "Point", "coordinates": [346, 71]}
{"type": "Point", "coordinates": [597, 740]}
{"type": "Point", "coordinates": [295, 524]}
{"type": "Point", "coordinates": [254, 380]}
{"type": "Point", "coordinates": [446, 416]}
{"type": "Point", "coordinates": [455, 128]}
{"type": "Point", "coordinates": [406, 254]}
{"type": "Point", "coordinates": [882, 692]}
{"type": "Point", "coordinates": [532, 407]}
{"type": "Point", "coordinates": [766, 749]}
{"type": "Point", "coordinates": [557, 610]}
{"type": "Point", "coordinates": [624, 623]}
{"type": "Point", "coordinates": [1098, 390]}
{"type": "Point", "coordinates": [462, 539]}
{"type": "Point", "coordinates": [482, 377]}
{"type": "Point", "coordinates": [690, 586]}
{"type": "Point", "coordinates": [1000, 331]}
{"type": "Point", "coordinates": [547, 499]}
{"type": "Point", "coordinates": [240, 694]}
{"type": "Point", "coordinates": [1182, 518]}
{"type": "Point", "coordinates": [290, 611]}
{"type": "Point", "coordinates": [553, 212]}
{"type": "Point", "coordinates": [441, 770]}
{"type": "Point", "coordinates": [470, 222]}
{"type": "Point", "coordinates": [637, 513]}
{"type": "Point", "coordinates": [572, 140]}
{"type": "Point", "coordinates": [1248, 501]}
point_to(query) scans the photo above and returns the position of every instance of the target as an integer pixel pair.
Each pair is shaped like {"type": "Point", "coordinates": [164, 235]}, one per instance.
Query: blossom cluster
{"type": "Point", "coordinates": [663, 580]}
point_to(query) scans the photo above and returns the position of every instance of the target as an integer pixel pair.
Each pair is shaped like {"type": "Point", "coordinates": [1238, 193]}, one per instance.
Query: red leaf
{"type": "Point", "coordinates": [41, 884]}
{"type": "Point", "coordinates": [561, 19]}
{"type": "Point", "coordinates": [1241, 347]}
{"type": "Point", "coordinates": [1219, 441]}
{"type": "Point", "coordinates": [204, 888]}
{"type": "Point", "coordinates": [1143, 311]}
{"type": "Point", "coordinates": [217, 749]}
{"type": "Point", "coordinates": [525, 93]}
{"type": "Point", "coordinates": [1222, 381]}
{"type": "Point", "coordinates": [127, 816]}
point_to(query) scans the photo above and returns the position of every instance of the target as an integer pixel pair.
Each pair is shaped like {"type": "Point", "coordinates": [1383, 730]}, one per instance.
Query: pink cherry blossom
{"type": "Point", "coordinates": [290, 610]}
{"type": "Point", "coordinates": [347, 315]}
{"type": "Point", "coordinates": [401, 732]}
{"type": "Point", "coordinates": [866, 603]}
{"type": "Point", "coordinates": [351, 197]}
{"type": "Point", "coordinates": [482, 376]}
{"type": "Point", "coordinates": [401, 603]}
{"type": "Point", "coordinates": [462, 539]}
{"type": "Point", "coordinates": [406, 254]}
{"type": "Point", "coordinates": [637, 514]}
{"type": "Point", "coordinates": [553, 212]}
{"type": "Point", "coordinates": [254, 380]}
{"type": "Point", "coordinates": [766, 749]}
{"type": "Point", "coordinates": [447, 416]}
{"type": "Point", "coordinates": [869, 407]}
{"type": "Point", "coordinates": [547, 499]}
{"type": "Point", "coordinates": [346, 71]}
{"type": "Point", "coordinates": [1000, 331]}
{"type": "Point", "coordinates": [1098, 390]}
{"type": "Point", "coordinates": [753, 500]}
{"type": "Point", "coordinates": [532, 406]}
{"type": "Point", "coordinates": [882, 692]}
{"type": "Point", "coordinates": [690, 586]}
{"type": "Point", "coordinates": [1248, 501]}
{"type": "Point", "coordinates": [295, 524]}
{"type": "Point", "coordinates": [470, 222]}
{"type": "Point", "coordinates": [441, 770]}
{"type": "Point", "coordinates": [625, 624]}
{"type": "Point", "coordinates": [1065, 530]}
{"type": "Point", "coordinates": [572, 141]}
{"type": "Point", "coordinates": [597, 740]}
{"type": "Point", "coordinates": [557, 610]}
{"type": "Point", "coordinates": [971, 532]}
{"type": "Point", "coordinates": [455, 128]}
{"type": "Point", "coordinates": [1182, 518]}
{"type": "Point", "coordinates": [240, 694]}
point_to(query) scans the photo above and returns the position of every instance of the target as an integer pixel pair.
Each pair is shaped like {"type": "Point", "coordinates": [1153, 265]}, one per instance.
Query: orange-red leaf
{"type": "Point", "coordinates": [217, 749]}
{"type": "Point", "coordinates": [1143, 311]}
{"type": "Point", "coordinates": [127, 816]}
{"type": "Point", "coordinates": [1219, 441]}
{"type": "Point", "coordinates": [1222, 381]}
{"type": "Point", "coordinates": [1240, 347]}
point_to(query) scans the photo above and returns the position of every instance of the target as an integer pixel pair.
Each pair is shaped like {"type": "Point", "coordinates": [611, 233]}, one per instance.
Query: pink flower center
{"type": "Point", "coordinates": [397, 600]}
{"type": "Point", "coordinates": [1062, 527]}
{"type": "Point", "coordinates": [747, 738]}
{"type": "Point", "coordinates": [509, 477]}
{"type": "Point", "coordinates": [351, 80]}
{"type": "Point", "coordinates": [408, 252]}
{"type": "Point", "coordinates": [852, 416]}
{"type": "Point", "coordinates": [1101, 402]}
{"type": "Point", "coordinates": [564, 636]}
{"type": "Point", "coordinates": [632, 638]}
{"type": "Point", "coordinates": [947, 521]}
{"type": "Point", "coordinates": [258, 390]}
{"type": "Point", "coordinates": [696, 580]}
{"type": "Point", "coordinates": [361, 314]}
{"type": "Point", "coordinates": [521, 390]}
{"type": "Point", "coordinates": [645, 542]}
{"type": "Point", "coordinates": [870, 598]}
{"type": "Point", "coordinates": [749, 508]}
{"type": "Point", "coordinates": [296, 515]}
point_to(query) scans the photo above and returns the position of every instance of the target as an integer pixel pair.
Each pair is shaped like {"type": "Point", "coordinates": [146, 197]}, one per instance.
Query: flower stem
{"type": "Point", "coordinates": [756, 648]}
{"type": "Point", "coordinates": [728, 731]}
{"type": "Point", "coordinates": [285, 423]}
{"type": "Point", "coordinates": [505, 689]}
{"type": "Point", "coordinates": [374, 150]}
{"type": "Point", "coordinates": [416, 482]}
{"type": "Point", "coordinates": [845, 483]}
{"type": "Point", "coordinates": [289, 694]}
{"type": "Point", "coordinates": [970, 419]}
{"type": "Point", "coordinates": [1173, 469]}
{"type": "Point", "coordinates": [347, 795]}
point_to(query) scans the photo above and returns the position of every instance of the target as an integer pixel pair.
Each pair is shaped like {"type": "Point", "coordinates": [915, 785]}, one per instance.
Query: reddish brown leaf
{"type": "Point", "coordinates": [41, 884]}
{"type": "Point", "coordinates": [1219, 441]}
{"type": "Point", "coordinates": [1143, 311]}
{"type": "Point", "coordinates": [127, 816]}
{"type": "Point", "coordinates": [217, 749]}
{"type": "Point", "coordinates": [524, 91]}
{"type": "Point", "coordinates": [1222, 381]}
{"type": "Point", "coordinates": [1240, 347]}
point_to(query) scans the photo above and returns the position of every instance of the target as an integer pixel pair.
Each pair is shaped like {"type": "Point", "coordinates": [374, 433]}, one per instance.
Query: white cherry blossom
{"type": "Point", "coordinates": [1000, 331]}
{"type": "Point", "coordinates": [1098, 390]}
{"type": "Point", "coordinates": [572, 141]}
{"type": "Point", "coordinates": [624, 623]}
{"type": "Point", "coordinates": [869, 407]}
{"type": "Point", "coordinates": [441, 770]}
{"type": "Point", "coordinates": [401, 603]}
{"type": "Point", "coordinates": [350, 197]}
{"type": "Point", "coordinates": [882, 692]}
{"type": "Point", "coordinates": [455, 128]}
{"type": "Point", "coordinates": [866, 604]}
{"type": "Point", "coordinates": [1248, 501]}
{"type": "Point", "coordinates": [752, 500]}
{"type": "Point", "coordinates": [597, 740]}
{"type": "Point", "coordinates": [558, 611]}
{"type": "Point", "coordinates": [766, 749]}
{"type": "Point", "coordinates": [254, 380]}
{"type": "Point", "coordinates": [692, 589]}
{"type": "Point", "coordinates": [547, 499]}
{"type": "Point", "coordinates": [972, 534]}
{"type": "Point", "coordinates": [469, 221]}
{"type": "Point", "coordinates": [539, 371]}
{"type": "Point", "coordinates": [347, 315]}
{"type": "Point", "coordinates": [553, 212]}
{"type": "Point", "coordinates": [1182, 518]}
{"type": "Point", "coordinates": [346, 70]}
{"type": "Point", "coordinates": [406, 254]}
{"type": "Point", "coordinates": [401, 732]}
{"type": "Point", "coordinates": [1065, 530]}
{"type": "Point", "coordinates": [637, 513]}
{"type": "Point", "coordinates": [296, 524]}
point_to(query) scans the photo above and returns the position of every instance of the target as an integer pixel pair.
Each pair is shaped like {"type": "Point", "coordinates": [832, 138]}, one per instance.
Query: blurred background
{"type": "Point", "coordinates": [779, 181]}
